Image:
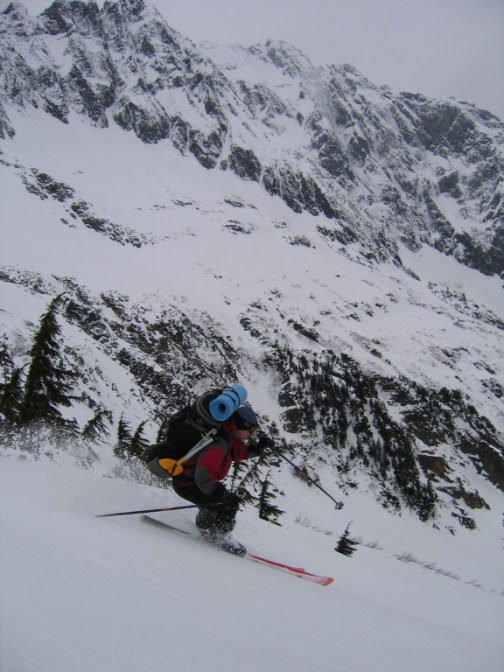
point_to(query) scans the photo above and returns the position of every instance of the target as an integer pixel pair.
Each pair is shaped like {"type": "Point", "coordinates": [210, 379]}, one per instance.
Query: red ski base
{"type": "Point", "coordinates": [296, 571]}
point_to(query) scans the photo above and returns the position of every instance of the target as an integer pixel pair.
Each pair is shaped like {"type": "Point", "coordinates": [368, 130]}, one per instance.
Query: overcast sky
{"type": "Point", "coordinates": [448, 47]}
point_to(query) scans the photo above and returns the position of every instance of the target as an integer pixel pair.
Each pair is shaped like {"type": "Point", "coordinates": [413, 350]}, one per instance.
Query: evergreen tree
{"type": "Point", "coordinates": [6, 363]}
{"type": "Point", "coordinates": [47, 383]}
{"type": "Point", "coordinates": [346, 545]}
{"type": "Point", "coordinates": [123, 442]}
{"type": "Point", "coordinates": [11, 385]}
{"type": "Point", "coordinates": [238, 469]}
{"type": "Point", "coordinates": [427, 503]}
{"type": "Point", "coordinates": [95, 429]}
{"type": "Point", "coordinates": [163, 429]}
{"type": "Point", "coordinates": [138, 445]}
{"type": "Point", "coordinates": [267, 510]}
{"type": "Point", "coordinates": [11, 397]}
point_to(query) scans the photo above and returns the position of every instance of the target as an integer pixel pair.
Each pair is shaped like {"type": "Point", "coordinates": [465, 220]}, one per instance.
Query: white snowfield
{"type": "Point", "coordinates": [83, 594]}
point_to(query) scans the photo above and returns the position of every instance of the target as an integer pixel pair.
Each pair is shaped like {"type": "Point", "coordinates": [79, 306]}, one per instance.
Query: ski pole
{"type": "Point", "coordinates": [339, 505]}
{"type": "Point", "coordinates": [130, 513]}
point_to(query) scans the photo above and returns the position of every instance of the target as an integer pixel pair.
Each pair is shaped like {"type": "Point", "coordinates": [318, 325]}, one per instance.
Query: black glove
{"type": "Point", "coordinates": [263, 444]}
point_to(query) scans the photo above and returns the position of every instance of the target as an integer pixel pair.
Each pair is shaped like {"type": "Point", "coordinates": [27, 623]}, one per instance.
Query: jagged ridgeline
{"type": "Point", "coordinates": [381, 167]}
{"type": "Point", "coordinates": [409, 442]}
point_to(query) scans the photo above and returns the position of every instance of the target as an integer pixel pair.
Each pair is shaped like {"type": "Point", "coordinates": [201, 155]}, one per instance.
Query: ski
{"type": "Point", "coordinates": [299, 572]}
{"type": "Point", "coordinates": [161, 523]}
{"type": "Point", "coordinates": [295, 571]}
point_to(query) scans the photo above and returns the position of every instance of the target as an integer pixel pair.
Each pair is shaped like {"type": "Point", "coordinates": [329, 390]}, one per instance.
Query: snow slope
{"type": "Point", "coordinates": [81, 593]}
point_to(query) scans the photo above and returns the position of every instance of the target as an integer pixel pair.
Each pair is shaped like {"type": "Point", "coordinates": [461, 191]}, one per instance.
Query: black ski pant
{"type": "Point", "coordinates": [213, 516]}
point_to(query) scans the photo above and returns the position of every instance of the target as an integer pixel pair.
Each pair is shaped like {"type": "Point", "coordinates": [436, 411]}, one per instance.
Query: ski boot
{"type": "Point", "coordinates": [224, 542]}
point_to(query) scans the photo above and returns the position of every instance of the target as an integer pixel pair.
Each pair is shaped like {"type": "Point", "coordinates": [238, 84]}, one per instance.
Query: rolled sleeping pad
{"type": "Point", "coordinates": [227, 403]}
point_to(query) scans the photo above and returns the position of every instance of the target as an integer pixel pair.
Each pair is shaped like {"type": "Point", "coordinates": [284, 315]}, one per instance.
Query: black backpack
{"type": "Point", "coordinates": [189, 431]}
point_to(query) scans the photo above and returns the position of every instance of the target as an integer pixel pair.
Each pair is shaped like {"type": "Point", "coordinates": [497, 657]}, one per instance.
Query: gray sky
{"type": "Point", "coordinates": [448, 47]}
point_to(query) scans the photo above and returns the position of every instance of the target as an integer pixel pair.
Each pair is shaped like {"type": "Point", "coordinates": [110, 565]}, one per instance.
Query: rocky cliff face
{"type": "Point", "coordinates": [382, 167]}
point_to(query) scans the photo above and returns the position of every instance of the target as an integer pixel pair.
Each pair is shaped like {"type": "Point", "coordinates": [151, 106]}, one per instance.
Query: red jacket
{"type": "Point", "coordinates": [210, 466]}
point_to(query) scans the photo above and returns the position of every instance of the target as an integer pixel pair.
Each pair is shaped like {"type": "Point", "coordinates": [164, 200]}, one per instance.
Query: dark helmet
{"type": "Point", "coordinates": [245, 418]}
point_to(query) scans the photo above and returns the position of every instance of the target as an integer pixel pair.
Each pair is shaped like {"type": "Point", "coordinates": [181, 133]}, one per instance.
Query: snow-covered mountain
{"type": "Point", "coordinates": [382, 167]}
{"type": "Point", "coordinates": [236, 214]}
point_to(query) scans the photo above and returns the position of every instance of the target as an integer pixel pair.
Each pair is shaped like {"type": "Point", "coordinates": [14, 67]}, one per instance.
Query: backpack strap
{"type": "Point", "coordinates": [176, 467]}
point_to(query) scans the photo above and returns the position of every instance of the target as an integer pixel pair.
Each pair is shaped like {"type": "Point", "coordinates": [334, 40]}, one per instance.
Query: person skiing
{"type": "Point", "coordinates": [200, 480]}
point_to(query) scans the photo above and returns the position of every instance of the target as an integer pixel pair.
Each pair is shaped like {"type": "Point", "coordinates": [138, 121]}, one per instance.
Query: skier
{"type": "Point", "coordinates": [201, 479]}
